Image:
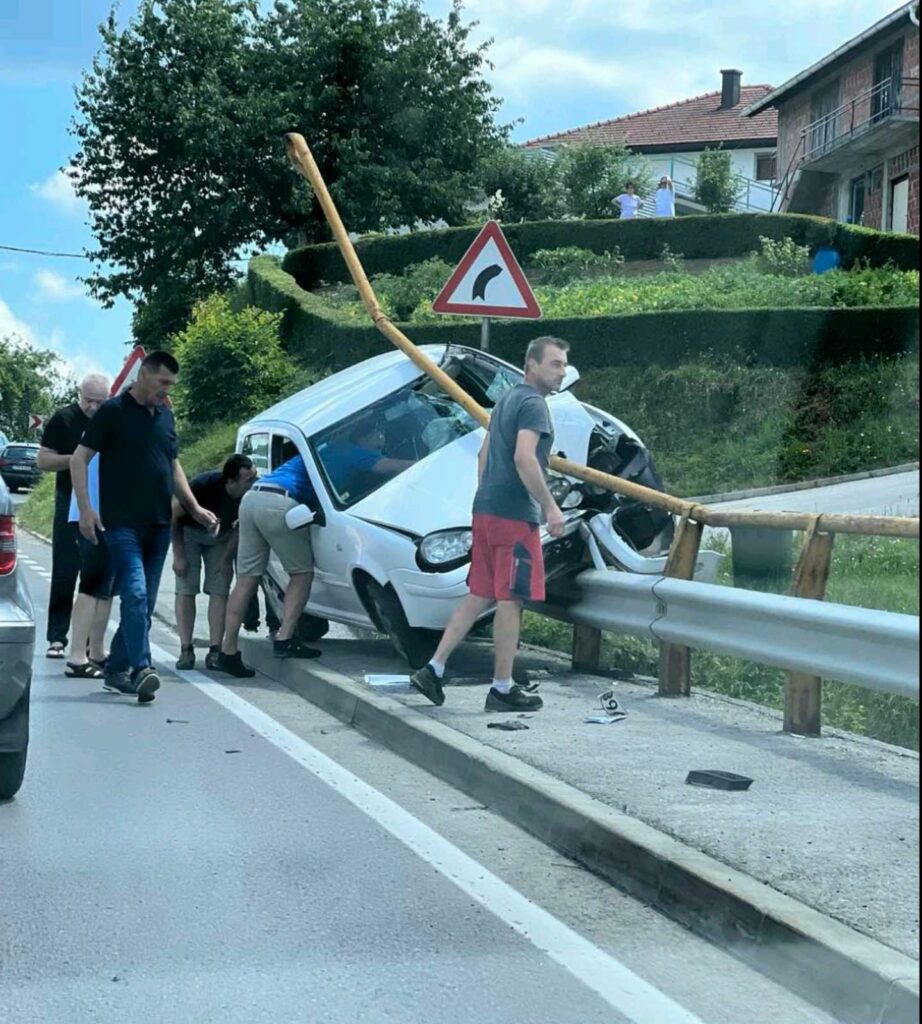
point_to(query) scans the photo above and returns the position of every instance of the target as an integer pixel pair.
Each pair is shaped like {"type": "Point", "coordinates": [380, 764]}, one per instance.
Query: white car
{"type": "Point", "coordinates": [392, 553]}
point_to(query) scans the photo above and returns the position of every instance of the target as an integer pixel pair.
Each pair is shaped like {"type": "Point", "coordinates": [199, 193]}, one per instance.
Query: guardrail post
{"type": "Point", "coordinates": [803, 693]}
{"type": "Point", "coordinates": [587, 648]}
{"type": "Point", "coordinates": [674, 659]}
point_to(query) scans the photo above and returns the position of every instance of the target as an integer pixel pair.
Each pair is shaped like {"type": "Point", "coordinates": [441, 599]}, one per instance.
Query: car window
{"type": "Point", "coordinates": [401, 430]}
{"type": "Point", "coordinates": [282, 450]}
{"type": "Point", "coordinates": [484, 379]}
{"type": "Point", "coordinates": [22, 453]}
{"type": "Point", "coordinates": [256, 446]}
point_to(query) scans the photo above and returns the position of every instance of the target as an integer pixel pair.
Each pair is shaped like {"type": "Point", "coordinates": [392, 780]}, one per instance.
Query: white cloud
{"type": "Point", "coordinates": [54, 288]}
{"type": "Point", "coordinates": [58, 189]}
{"type": "Point", "coordinates": [76, 365]}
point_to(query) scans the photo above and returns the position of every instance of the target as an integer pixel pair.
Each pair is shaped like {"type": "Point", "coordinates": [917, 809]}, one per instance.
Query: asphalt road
{"type": "Point", "coordinates": [231, 854]}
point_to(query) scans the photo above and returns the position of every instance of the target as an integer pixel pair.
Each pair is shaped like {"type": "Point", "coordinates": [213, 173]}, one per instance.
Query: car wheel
{"type": "Point", "coordinates": [14, 488]}
{"type": "Point", "coordinates": [12, 770]}
{"type": "Point", "coordinates": [311, 628]}
{"type": "Point", "coordinates": [416, 646]}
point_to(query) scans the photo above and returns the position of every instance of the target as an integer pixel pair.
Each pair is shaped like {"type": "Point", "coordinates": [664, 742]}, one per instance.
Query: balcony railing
{"type": "Point", "coordinates": [888, 99]}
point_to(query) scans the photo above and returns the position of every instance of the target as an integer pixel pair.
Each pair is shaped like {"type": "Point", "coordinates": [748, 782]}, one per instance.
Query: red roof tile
{"type": "Point", "coordinates": [688, 122]}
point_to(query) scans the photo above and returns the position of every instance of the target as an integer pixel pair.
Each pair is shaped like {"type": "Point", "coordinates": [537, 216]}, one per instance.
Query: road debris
{"type": "Point", "coordinates": [507, 725]}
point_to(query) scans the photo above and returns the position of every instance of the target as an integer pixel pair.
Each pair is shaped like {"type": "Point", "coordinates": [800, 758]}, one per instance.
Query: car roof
{"type": "Point", "coordinates": [331, 399]}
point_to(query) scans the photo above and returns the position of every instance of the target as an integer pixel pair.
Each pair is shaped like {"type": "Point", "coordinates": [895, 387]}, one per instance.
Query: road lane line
{"type": "Point", "coordinates": [623, 990]}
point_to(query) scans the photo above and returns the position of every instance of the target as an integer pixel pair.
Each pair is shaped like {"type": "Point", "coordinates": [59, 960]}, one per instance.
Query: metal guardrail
{"type": "Point", "coordinates": [874, 649]}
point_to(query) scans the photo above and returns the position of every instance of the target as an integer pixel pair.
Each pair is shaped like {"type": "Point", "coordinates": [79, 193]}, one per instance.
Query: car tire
{"type": "Point", "coordinates": [311, 628]}
{"type": "Point", "coordinates": [12, 770]}
{"type": "Point", "coordinates": [415, 646]}
{"type": "Point", "coordinates": [13, 488]}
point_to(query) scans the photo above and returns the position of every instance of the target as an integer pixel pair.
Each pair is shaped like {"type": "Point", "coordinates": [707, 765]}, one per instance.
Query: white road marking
{"type": "Point", "coordinates": [625, 991]}
{"type": "Point", "coordinates": [621, 988]}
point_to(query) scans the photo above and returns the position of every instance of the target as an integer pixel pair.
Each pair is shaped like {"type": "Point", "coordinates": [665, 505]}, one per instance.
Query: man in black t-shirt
{"type": "Point", "coordinates": [139, 472]}
{"type": "Point", "coordinates": [59, 440]}
{"type": "Point", "coordinates": [220, 492]}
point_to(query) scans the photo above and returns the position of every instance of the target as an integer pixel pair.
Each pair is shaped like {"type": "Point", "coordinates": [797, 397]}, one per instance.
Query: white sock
{"type": "Point", "coordinates": [502, 685]}
{"type": "Point", "coordinates": [438, 667]}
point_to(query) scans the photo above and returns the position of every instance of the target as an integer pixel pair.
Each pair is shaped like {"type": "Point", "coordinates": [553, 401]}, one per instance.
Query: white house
{"type": "Point", "coordinates": [674, 136]}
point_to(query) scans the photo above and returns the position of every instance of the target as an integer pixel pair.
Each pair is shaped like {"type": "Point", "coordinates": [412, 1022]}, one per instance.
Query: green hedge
{"type": "Point", "coordinates": [697, 237]}
{"type": "Point", "coordinates": [322, 337]}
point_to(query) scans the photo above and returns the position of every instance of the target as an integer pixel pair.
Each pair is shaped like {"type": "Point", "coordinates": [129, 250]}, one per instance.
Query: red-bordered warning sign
{"type": "Point", "coordinates": [488, 281]}
{"type": "Point", "coordinates": [129, 372]}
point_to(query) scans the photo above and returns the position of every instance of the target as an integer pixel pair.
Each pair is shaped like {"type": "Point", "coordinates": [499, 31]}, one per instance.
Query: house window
{"type": "Point", "coordinates": [766, 166]}
{"type": "Point", "coordinates": [888, 73]}
{"type": "Point", "coordinates": [875, 180]}
{"type": "Point", "coordinates": [856, 200]}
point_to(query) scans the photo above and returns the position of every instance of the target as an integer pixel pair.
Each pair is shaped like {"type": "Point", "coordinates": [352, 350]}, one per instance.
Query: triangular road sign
{"type": "Point", "coordinates": [488, 281]}
{"type": "Point", "coordinates": [129, 372]}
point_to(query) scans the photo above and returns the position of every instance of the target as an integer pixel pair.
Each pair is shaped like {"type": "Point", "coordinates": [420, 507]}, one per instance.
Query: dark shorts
{"type": "Point", "coordinates": [97, 575]}
{"type": "Point", "coordinates": [507, 563]}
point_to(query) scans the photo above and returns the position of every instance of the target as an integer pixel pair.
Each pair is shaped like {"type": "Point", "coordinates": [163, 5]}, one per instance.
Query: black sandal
{"type": "Point", "coordinates": [88, 670]}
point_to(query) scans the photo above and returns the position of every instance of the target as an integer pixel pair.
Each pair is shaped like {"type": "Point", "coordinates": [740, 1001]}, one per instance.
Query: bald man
{"type": "Point", "coordinates": [60, 438]}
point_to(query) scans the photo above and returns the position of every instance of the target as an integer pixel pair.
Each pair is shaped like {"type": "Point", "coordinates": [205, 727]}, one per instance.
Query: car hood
{"type": "Point", "coordinates": [438, 492]}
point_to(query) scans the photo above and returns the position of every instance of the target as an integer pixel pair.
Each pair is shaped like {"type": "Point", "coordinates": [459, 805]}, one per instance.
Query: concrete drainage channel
{"type": "Point", "coordinates": [849, 975]}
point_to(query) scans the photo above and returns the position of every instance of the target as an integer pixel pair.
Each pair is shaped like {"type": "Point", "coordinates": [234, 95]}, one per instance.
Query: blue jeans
{"type": "Point", "coordinates": [137, 554]}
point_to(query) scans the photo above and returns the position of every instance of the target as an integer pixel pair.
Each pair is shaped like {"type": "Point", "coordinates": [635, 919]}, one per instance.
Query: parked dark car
{"type": "Point", "coordinates": [19, 466]}
{"type": "Point", "coordinates": [17, 645]}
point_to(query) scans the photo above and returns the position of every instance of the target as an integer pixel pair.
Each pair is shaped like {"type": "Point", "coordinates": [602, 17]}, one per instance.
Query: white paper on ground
{"type": "Point", "coordinates": [389, 684]}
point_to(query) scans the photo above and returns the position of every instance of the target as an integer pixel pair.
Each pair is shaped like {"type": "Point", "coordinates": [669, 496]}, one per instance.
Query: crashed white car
{"type": "Point", "coordinates": [392, 553]}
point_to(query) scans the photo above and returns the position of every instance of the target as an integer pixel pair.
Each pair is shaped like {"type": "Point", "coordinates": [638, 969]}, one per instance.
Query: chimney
{"type": "Point", "coordinates": [730, 88]}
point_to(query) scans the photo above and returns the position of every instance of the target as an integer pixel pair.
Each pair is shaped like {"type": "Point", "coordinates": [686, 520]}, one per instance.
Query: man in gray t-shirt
{"type": "Point", "coordinates": [501, 491]}
{"type": "Point", "coordinates": [512, 500]}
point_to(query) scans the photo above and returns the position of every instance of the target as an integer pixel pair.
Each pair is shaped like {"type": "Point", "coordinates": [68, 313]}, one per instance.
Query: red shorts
{"type": "Point", "coordinates": [507, 563]}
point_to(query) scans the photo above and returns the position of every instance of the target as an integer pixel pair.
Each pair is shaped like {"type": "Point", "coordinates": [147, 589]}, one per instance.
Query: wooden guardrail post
{"type": "Point", "coordinates": [803, 693]}
{"type": "Point", "coordinates": [674, 659]}
{"type": "Point", "coordinates": [587, 648]}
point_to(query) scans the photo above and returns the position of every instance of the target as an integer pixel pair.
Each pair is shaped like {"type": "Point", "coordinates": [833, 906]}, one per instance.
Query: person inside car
{"type": "Point", "coordinates": [359, 452]}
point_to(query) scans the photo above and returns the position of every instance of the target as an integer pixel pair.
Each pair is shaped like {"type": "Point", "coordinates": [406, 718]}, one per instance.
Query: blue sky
{"type": "Point", "coordinates": [558, 63]}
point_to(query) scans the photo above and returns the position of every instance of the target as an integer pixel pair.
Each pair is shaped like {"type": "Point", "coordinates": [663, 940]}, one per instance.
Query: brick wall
{"type": "Point", "coordinates": [911, 54]}
{"type": "Point", "coordinates": [897, 166]}
{"type": "Point", "coordinates": [912, 221]}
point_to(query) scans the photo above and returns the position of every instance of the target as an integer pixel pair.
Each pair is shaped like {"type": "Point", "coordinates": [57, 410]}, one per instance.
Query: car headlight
{"type": "Point", "coordinates": [445, 550]}
{"type": "Point", "coordinates": [559, 487]}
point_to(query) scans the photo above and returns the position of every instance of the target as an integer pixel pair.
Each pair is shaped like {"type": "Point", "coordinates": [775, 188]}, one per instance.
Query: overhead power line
{"type": "Point", "coordinates": [44, 252]}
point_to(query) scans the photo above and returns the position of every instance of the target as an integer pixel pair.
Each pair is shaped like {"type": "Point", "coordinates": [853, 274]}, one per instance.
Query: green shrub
{"type": "Point", "coordinates": [673, 262]}
{"type": "Point", "coordinates": [569, 263]}
{"type": "Point", "coordinates": [591, 175]}
{"type": "Point", "coordinates": [782, 256]}
{"type": "Point", "coordinates": [717, 187]}
{"type": "Point", "coordinates": [232, 363]}
{"type": "Point", "coordinates": [699, 237]}
{"type": "Point", "coordinates": [37, 511]}
{"type": "Point", "coordinates": [420, 282]}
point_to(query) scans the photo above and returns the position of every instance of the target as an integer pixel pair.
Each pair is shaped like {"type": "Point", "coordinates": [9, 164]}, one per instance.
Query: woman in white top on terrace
{"type": "Point", "coordinates": [628, 202]}
{"type": "Point", "coordinates": [665, 197]}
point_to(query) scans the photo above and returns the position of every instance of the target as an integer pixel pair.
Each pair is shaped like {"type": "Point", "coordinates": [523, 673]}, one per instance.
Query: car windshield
{"type": "Point", "coordinates": [360, 453]}
{"type": "Point", "coordinates": [21, 453]}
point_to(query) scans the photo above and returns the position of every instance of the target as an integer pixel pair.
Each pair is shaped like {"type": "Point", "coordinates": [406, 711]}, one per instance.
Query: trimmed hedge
{"type": "Point", "coordinates": [322, 337]}
{"type": "Point", "coordinates": [697, 237]}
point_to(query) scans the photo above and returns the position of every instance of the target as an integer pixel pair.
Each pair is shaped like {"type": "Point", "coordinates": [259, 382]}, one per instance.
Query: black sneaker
{"type": "Point", "coordinates": [213, 658]}
{"type": "Point", "coordinates": [145, 683]}
{"type": "Point", "coordinates": [515, 700]}
{"type": "Point", "coordinates": [117, 682]}
{"type": "Point", "coordinates": [293, 648]}
{"type": "Point", "coordinates": [186, 659]}
{"type": "Point", "coordinates": [233, 665]}
{"type": "Point", "coordinates": [429, 685]}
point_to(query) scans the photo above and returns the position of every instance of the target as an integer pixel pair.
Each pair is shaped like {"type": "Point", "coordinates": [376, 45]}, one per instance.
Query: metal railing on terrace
{"type": "Point", "coordinates": [888, 99]}
{"type": "Point", "coordinates": [755, 196]}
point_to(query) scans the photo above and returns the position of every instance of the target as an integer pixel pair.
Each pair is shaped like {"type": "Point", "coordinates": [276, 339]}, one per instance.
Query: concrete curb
{"type": "Point", "coordinates": [851, 976]}
{"type": "Point", "coordinates": [802, 485]}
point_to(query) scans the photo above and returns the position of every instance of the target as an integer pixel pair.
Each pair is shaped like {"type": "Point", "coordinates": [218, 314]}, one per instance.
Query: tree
{"type": "Point", "coordinates": [529, 183]}
{"type": "Point", "coordinates": [30, 382]}
{"type": "Point", "coordinates": [231, 364]}
{"type": "Point", "coordinates": [591, 176]}
{"type": "Point", "coordinates": [717, 186]}
{"type": "Point", "coordinates": [181, 123]}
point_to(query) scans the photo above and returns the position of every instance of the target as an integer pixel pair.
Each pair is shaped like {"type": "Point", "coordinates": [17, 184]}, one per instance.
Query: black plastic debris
{"type": "Point", "coordinates": [507, 725]}
{"type": "Point", "coordinates": [716, 779]}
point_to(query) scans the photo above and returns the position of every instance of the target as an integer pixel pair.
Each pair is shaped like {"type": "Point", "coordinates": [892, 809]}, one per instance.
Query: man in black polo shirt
{"type": "Point", "coordinates": [139, 472]}
{"type": "Point", "coordinates": [59, 440]}
{"type": "Point", "coordinates": [220, 492]}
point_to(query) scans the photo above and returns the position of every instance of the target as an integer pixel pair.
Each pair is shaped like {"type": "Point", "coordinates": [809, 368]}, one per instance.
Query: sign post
{"type": "Point", "coordinates": [129, 372]}
{"type": "Point", "coordinates": [488, 282]}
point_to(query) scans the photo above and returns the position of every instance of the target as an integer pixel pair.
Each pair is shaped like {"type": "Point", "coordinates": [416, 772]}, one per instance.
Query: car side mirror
{"type": "Point", "coordinates": [569, 378]}
{"type": "Point", "coordinates": [298, 517]}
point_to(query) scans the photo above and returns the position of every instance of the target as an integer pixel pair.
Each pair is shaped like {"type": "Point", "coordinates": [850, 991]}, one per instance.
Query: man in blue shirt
{"type": "Point", "coordinates": [263, 529]}
{"type": "Point", "coordinates": [348, 462]}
